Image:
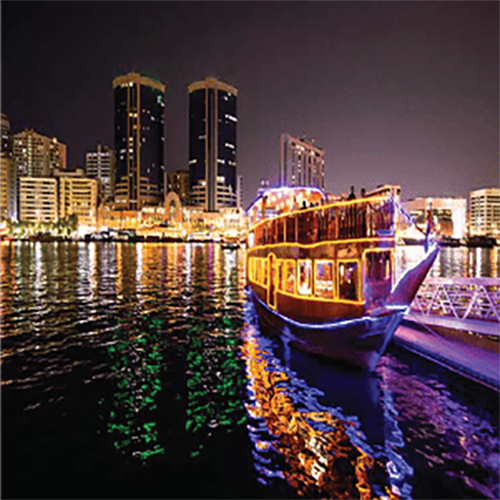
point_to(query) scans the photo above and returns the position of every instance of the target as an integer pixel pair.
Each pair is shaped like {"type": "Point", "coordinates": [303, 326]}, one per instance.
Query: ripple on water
{"type": "Point", "coordinates": [144, 363]}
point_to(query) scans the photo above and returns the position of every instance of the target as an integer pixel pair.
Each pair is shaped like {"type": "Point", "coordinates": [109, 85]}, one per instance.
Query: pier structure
{"type": "Point", "coordinates": [471, 304]}
{"type": "Point", "coordinates": [456, 323]}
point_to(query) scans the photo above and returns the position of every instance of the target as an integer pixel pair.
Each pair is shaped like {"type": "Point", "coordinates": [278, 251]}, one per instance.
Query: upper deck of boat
{"type": "Point", "coordinates": [305, 216]}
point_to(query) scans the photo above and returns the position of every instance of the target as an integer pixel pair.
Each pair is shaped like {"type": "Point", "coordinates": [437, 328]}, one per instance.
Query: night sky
{"type": "Point", "coordinates": [395, 92]}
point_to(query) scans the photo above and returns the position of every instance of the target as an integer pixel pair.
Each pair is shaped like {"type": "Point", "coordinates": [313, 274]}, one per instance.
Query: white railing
{"type": "Point", "coordinates": [459, 299]}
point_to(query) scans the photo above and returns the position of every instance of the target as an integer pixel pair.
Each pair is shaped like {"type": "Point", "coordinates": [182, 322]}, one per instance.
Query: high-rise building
{"type": "Point", "coordinates": [36, 155]}
{"type": "Point", "coordinates": [46, 199]}
{"type": "Point", "coordinates": [239, 191]}
{"type": "Point", "coordinates": [77, 195]}
{"type": "Point", "coordinates": [38, 199]}
{"type": "Point", "coordinates": [484, 212]}
{"type": "Point", "coordinates": [302, 163]}
{"type": "Point", "coordinates": [139, 141]}
{"type": "Point", "coordinates": [8, 178]}
{"type": "Point", "coordinates": [178, 182]}
{"type": "Point", "coordinates": [100, 164]}
{"type": "Point", "coordinates": [212, 144]}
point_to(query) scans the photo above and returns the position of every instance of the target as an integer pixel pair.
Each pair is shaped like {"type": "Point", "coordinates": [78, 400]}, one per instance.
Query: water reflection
{"type": "Point", "coordinates": [137, 353]}
{"type": "Point", "coordinates": [136, 361]}
{"type": "Point", "coordinates": [457, 442]}
{"type": "Point", "coordinates": [453, 261]}
{"type": "Point", "coordinates": [322, 429]}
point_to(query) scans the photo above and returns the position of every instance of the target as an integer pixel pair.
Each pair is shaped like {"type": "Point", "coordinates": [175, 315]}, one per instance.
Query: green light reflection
{"type": "Point", "coordinates": [137, 362]}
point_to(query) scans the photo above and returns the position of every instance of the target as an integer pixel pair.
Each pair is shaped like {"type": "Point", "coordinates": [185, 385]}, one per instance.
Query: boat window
{"type": "Point", "coordinates": [324, 279]}
{"type": "Point", "coordinates": [289, 276]}
{"type": "Point", "coordinates": [305, 277]}
{"type": "Point", "coordinates": [251, 273]}
{"type": "Point", "coordinates": [290, 228]}
{"type": "Point", "coordinates": [378, 266]}
{"type": "Point", "coordinates": [262, 272]}
{"type": "Point", "coordinates": [348, 280]}
{"type": "Point", "coordinates": [258, 272]}
{"type": "Point", "coordinates": [281, 275]}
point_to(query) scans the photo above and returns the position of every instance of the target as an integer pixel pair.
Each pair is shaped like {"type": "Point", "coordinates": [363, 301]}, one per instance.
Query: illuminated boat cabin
{"type": "Point", "coordinates": [316, 260]}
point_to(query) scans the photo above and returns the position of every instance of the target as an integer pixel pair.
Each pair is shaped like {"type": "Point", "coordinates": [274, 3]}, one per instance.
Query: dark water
{"type": "Point", "coordinates": [141, 371]}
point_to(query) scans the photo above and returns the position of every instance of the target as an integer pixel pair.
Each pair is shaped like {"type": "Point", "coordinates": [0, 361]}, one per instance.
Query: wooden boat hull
{"type": "Point", "coordinates": [359, 342]}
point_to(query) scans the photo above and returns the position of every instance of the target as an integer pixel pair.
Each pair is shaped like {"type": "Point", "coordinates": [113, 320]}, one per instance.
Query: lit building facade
{"type": "Point", "coordinates": [301, 163]}
{"type": "Point", "coordinates": [178, 182]}
{"type": "Point", "coordinates": [38, 199]}
{"type": "Point", "coordinates": [484, 212]}
{"type": "Point", "coordinates": [139, 141]}
{"type": "Point", "coordinates": [77, 195]}
{"type": "Point", "coordinates": [100, 164]}
{"type": "Point", "coordinates": [36, 155]}
{"type": "Point", "coordinates": [48, 199]}
{"type": "Point", "coordinates": [8, 178]}
{"type": "Point", "coordinates": [212, 144]}
{"type": "Point", "coordinates": [448, 215]}
{"type": "Point", "coordinates": [239, 191]}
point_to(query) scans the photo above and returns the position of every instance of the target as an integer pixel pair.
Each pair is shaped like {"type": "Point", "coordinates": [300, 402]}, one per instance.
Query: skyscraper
{"type": "Point", "coordinates": [8, 178]}
{"type": "Point", "coordinates": [212, 144]}
{"type": "Point", "coordinates": [302, 163]}
{"type": "Point", "coordinates": [36, 155]}
{"type": "Point", "coordinates": [100, 164]}
{"type": "Point", "coordinates": [139, 141]}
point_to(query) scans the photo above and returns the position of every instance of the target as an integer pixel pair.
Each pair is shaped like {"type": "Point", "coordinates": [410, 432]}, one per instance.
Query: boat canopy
{"type": "Point", "coordinates": [280, 201]}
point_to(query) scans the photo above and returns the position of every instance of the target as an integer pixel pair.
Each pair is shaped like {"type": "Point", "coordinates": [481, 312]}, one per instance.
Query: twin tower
{"type": "Point", "coordinates": [140, 138]}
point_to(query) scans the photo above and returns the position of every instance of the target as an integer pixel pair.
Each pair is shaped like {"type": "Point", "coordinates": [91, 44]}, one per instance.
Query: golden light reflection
{"type": "Point", "coordinates": [320, 455]}
{"type": "Point", "coordinates": [126, 263]}
{"type": "Point", "coordinates": [8, 279]}
{"type": "Point", "coordinates": [176, 261]}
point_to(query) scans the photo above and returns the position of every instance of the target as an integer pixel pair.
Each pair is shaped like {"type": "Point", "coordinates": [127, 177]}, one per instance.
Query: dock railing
{"type": "Point", "coordinates": [463, 303]}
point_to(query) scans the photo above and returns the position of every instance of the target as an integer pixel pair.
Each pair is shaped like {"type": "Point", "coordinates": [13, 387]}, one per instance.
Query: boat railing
{"type": "Point", "coordinates": [459, 298]}
{"type": "Point", "coordinates": [363, 218]}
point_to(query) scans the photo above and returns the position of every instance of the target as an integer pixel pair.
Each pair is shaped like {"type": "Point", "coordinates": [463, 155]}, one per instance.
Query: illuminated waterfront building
{"type": "Point", "coordinates": [8, 179]}
{"type": "Point", "coordinates": [449, 214]}
{"type": "Point", "coordinates": [38, 199]}
{"type": "Point", "coordinates": [178, 182]}
{"type": "Point", "coordinates": [47, 199]}
{"type": "Point", "coordinates": [100, 164]}
{"type": "Point", "coordinates": [77, 195]}
{"type": "Point", "coordinates": [239, 191]}
{"type": "Point", "coordinates": [139, 141]}
{"type": "Point", "coordinates": [484, 212]}
{"type": "Point", "coordinates": [212, 144]}
{"type": "Point", "coordinates": [301, 163]}
{"type": "Point", "coordinates": [36, 155]}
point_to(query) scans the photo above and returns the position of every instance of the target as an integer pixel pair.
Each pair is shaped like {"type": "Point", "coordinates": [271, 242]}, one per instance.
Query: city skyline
{"type": "Point", "coordinates": [393, 93]}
